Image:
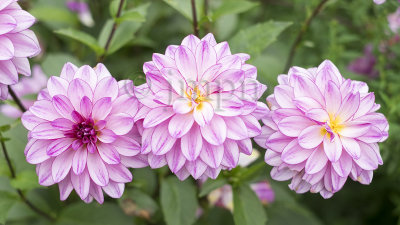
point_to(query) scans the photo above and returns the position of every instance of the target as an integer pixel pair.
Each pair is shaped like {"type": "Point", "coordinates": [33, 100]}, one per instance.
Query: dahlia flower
{"type": "Point", "coordinates": [365, 64]}
{"type": "Point", "coordinates": [378, 2]}
{"type": "Point", "coordinates": [17, 43]}
{"type": "Point", "coordinates": [82, 133]}
{"type": "Point", "coordinates": [394, 21]}
{"type": "Point", "coordinates": [321, 129]}
{"type": "Point", "coordinates": [201, 107]}
{"type": "Point", "coordinates": [24, 89]}
{"type": "Point", "coordinates": [83, 11]}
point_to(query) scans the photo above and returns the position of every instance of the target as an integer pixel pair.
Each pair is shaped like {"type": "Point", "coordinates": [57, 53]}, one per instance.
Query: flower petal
{"type": "Point", "coordinates": [215, 132]}
{"type": "Point", "coordinates": [97, 170]}
{"type": "Point", "coordinates": [191, 143]}
{"type": "Point", "coordinates": [180, 124]}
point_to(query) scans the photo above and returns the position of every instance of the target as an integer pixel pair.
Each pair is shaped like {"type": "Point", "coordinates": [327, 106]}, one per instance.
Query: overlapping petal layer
{"type": "Point", "coordinates": [82, 133]}
{"type": "Point", "coordinates": [200, 107]}
{"type": "Point", "coordinates": [321, 129]}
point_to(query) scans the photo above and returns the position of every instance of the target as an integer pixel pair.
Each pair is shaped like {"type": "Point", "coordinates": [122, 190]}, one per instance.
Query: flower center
{"type": "Point", "coordinates": [196, 95]}
{"type": "Point", "coordinates": [85, 131]}
{"type": "Point", "coordinates": [332, 126]}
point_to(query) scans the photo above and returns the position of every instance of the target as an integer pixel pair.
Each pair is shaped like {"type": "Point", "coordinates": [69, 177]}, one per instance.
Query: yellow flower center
{"type": "Point", "coordinates": [332, 126]}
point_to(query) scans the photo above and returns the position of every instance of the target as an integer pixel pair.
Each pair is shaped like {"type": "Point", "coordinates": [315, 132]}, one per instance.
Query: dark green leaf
{"type": "Point", "coordinates": [131, 16]}
{"type": "Point", "coordinates": [114, 6]}
{"type": "Point", "coordinates": [211, 185]}
{"type": "Point", "coordinates": [53, 63]}
{"type": "Point", "coordinates": [278, 215]}
{"type": "Point", "coordinates": [178, 201]}
{"type": "Point", "coordinates": [185, 8]}
{"type": "Point", "coordinates": [253, 40]}
{"type": "Point", "coordinates": [248, 209]}
{"type": "Point", "coordinates": [52, 14]}
{"type": "Point", "coordinates": [137, 203]}
{"type": "Point", "coordinates": [82, 37]}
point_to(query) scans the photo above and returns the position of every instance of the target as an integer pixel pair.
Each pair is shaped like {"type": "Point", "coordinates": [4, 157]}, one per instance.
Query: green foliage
{"type": "Point", "coordinates": [82, 37]}
{"type": "Point", "coordinates": [247, 207]}
{"type": "Point", "coordinates": [25, 180]}
{"type": "Point", "coordinates": [232, 7]}
{"type": "Point", "coordinates": [253, 40]}
{"type": "Point", "coordinates": [185, 7]}
{"type": "Point", "coordinates": [178, 201]}
{"type": "Point", "coordinates": [211, 185]}
{"type": "Point", "coordinates": [7, 200]}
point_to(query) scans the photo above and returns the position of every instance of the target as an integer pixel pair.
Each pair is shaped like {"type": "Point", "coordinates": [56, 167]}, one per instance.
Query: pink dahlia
{"type": "Point", "coordinates": [82, 133]}
{"type": "Point", "coordinates": [201, 107]}
{"type": "Point", "coordinates": [17, 43]}
{"type": "Point", "coordinates": [24, 90]}
{"type": "Point", "coordinates": [321, 129]}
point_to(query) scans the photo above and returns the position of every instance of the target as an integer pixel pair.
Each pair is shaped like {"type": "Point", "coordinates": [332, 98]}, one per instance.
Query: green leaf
{"type": "Point", "coordinates": [278, 215]}
{"type": "Point", "coordinates": [53, 63]}
{"type": "Point", "coordinates": [53, 14]}
{"type": "Point", "coordinates": [247, 208]}
{"type": "Point", "coordinates": [137, 203]}
{"type": "Point", "coordinates": [232, 7]}
{"type": "Point", "coordinates": [114, 5]}
{"type": "Point", "coordinates": [134, 16]}
{"type": "Point", "coordinates": [82, 37]}
{"type": "Point", "coordinates": [7, 200]}
{"type": "Point", "coordinates": [211, 185]}
{"type": "Point", "coordinates": [25, 180]}
{"type": "Point", "coordinates": [185, 8]}
{"type": "Point", "coordinates": [253, 40]}
{"type": "Point", "coordinates": [178, 201]}
{"type": "Point", "coordinates": [84, 214]}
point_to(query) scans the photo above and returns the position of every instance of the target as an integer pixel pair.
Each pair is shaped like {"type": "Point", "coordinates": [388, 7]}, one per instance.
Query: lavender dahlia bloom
{"type": "Point", "coordinates": [201, 107]}
{"type": "Point", "coordinates": [82, 134]}
{"type": "Point", "coordinates": [24, 89]}
{"type": "Point", "coordinates": [17, 43]}
{"type": "Point", "coordinates": [321, 129]}
{"type": "Point", "coordinates": [394, 21]}
{"type": "Point", "coordinates": [378, 2]}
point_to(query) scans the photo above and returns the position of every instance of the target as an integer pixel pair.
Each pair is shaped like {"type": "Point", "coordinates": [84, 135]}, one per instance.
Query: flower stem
{"type": "Point", "coordinates": [19, 191]}
{"type": "Point", "coordinates": [301, 33]}
{"type": "Point", "coordinates": [195, 24]}
{"type": "Point", "coordinates": [114, 28]}
{"type": "Point", "coordinates": [16, 99]}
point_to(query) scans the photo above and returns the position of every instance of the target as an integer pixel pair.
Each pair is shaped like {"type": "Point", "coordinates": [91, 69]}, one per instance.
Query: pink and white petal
{"type": "Point", "coordinates": [25, 43]}
{"type": "Point", "coordinates": [337, 181]}
{"type": "Point", "coordinates": [226, 104]}
{"type": "Point", "coordinates": [210, 39]}
{"type": "Point", "coordinates": [354, 129]}
{"type": "Point", "coordinates": [326, 72]}
{"type": "Point", "coordinates": [196, 168]}
{"type": "Point", "coordinates": [252, 125]}
{"type": "Point", "coordinates": [215, 132]}
{"type": "Point", "coordinates": [272, 158]}
{"type": "Point", "coordinates": [101, 71]}
{"type": "Point", "coordinates": [180, 124]}
{"type": "Point", "coordinates": [81, 184]}
{"type": "Point", "coordinates": [161, 141]}
{"type": "Point", "coordinates": [59, 146]}
{"type": "Point", "coordinates": [351, 146]}
{"type": "Point", "coordinates": [96, 192]}
{"type": "Point", "coordinates": [203, 113]}
{"type": "Point", "coordinates": [305, 87]}
{"type": "Point", "coordinates": [311, 137]}
{"type": "Point", "coordinates": [101, 108]}
{"type": "Point", "coordinates": [107, 87]}
{"type": "Point", "coordinates": [373, 135]}
{"type": "Point", "coordinates": [120, 123]}
{"type": "Point", "coordinates": [6, 46]}
{"type": "Point", "coordinates": [316, 162]}
{"type": "Point", "coordinates": [212, 155]}
{"type": "Point", "coordinates": [368, 159]}
{"type": "Point", "coordinates": [114, 190]}
{"type": "Point", "coordinates": [62, 165]}
{"type": "Point", "coordinates": [8, 72]}
{"type": "Point", "coordinates": [205, 56]}
{"type": "Point", "coordinates": [87, 74]}
{"type": "Point", "coordinates": [97, 170]}
{"type": "Point", "coordinates": [63, 106]}
{"type": "Point", "coordinates": [46, 131]}
{"type": "Point", "coordinates": [29, 120]}
{"type": "Point", "coordinates": [119, 173]}
{"type": "Point", "coordinates": [230, 79]}
{"type": "Point", "coordinates": [22, 65]}
{"type": "Point", "coordinates": [186, 63]}
{"type": "Point", "coordinates": [170, 51]}
{"type": "Point", "coordinates": [86, 107]}
{"type": "Point", "coordinates": [23, 19]}
{"type": "Point", "coordinates": [333, 98]}
{"type": "Point", "coordinates": [191, 42]}
{"type": "Point", "coordinates": [156, 161]}
{"type": "Point", "coordinates": [366, 104]}
{"type": "Point", "coordinates": [162, 61]}
{"type": "Point", "coordinates": [65, 187]}
{"type": "Point", "coordinates": [292, 126]}
{"type": "Point", "coordinates": [349, 107]}
{"type": "Point", "coordinates": [182, 106]}
{"type": "Point", "coordinates": [7, 24]}
{"type": "Point", "coordinates": [284, 96]}
{"type": "Point", "coordinates": [236, 128]}
{"type": "Point", "coordinates": [294, 153]}
{"type": "Point", "coordinates": [222, 49]}
{"type": "Point", "coordinates": [245, 146]}
{"type": "Point", "coordinates": [191, 143]}
{"type": "Point", "coordinates": [277, 141]}
{"type": "Point", "coordinates": [68, 71]}
{"type": "Point", "coordinates": [306, 103]}
{"type": "Point", "coordinates": [106, 136]}
{"type": "Point", "coordinates": [281, 174]}
{"type": "Point", "coordinates": [319, 115]}
{"type": "Point", "coordinates": [157, 116]}
{"type": "Point", "coordinates": [175, 159]}
{"type": "Point", "coordinates": [175, 80]}
{"type": "Point", "coordinates": [125, 104]}
{"type": "Point", "coordinates": [79, 161]}
{"type": "Point", "coordinates": [44, 109]}
{"type": "Point", "coordinates": [43, 171]}
{"type": "Point", "coordinates": [126, 146]}
{"type": "Point", "coordinates": [230, 62]}
{"type": "Point", "coordinates": [343, 166]}
{"type": "Point", "coordinates": [333, 148]}
{"type": "Point", "coordinates": [108, 153]}
{"type": "Point", "coordinates": [182, 174]}
{"type": "Point", "coordinates": [231, 154]}
{"type": "Point", "coordinates": [57, 86]}
{"type": "Point", "coordinates": [77, 89]}
{"type": "Point", "coordinates": [211, 73]}
{"type": "Point", "coordinates": [35, 151]}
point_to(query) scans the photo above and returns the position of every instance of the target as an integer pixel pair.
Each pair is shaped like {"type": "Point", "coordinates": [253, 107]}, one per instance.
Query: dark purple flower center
{"type": "Point", "coordinates": [85, 131]}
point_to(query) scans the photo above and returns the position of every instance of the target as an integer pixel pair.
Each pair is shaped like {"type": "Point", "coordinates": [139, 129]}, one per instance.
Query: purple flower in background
{"type": "Point", "coordinates": [17, 43]}
{"type": "Point", "coordinates": [82, 133]}
{"type": "Point", "coordinates": [365, 64]}
{"type": "Point", "coordinates": [223, 197]}
{"type": "Point", "coordinates": [24, 89]}
{"type": "Point", "coordinates": [321, 129]}
{"type": "Point", "coordinates": [378, 2]}
{"type": "Point", "coordinates": [394, 21]}
{"type": "Point", "coordinates": [83, 10]}
{"type": "Point", "coordinates": [201, 107]}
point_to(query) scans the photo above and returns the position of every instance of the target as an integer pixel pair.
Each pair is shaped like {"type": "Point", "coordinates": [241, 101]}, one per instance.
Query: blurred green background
{"type": "Point", "coordinates": [265, 29]}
